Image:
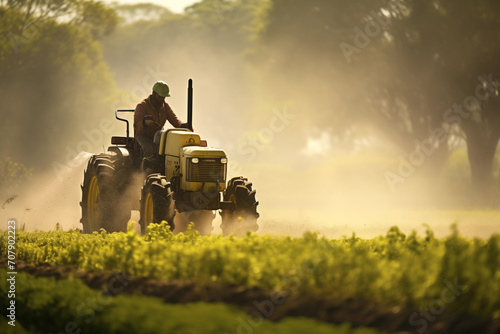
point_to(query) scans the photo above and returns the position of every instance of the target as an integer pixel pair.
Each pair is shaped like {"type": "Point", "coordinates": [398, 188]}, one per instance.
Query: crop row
{"type": "Point", "coordinates": [456, 273]}
{"type": "Point", "coordinates": [69, 306]}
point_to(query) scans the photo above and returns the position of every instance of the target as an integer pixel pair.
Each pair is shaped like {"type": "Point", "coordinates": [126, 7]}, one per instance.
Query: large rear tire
{"type": "Point", "coordinates": [244, 217]}
{"type": "Point", "coordinates": [101, 205]}
{"type": "Point", "coordinates": [157, 202]}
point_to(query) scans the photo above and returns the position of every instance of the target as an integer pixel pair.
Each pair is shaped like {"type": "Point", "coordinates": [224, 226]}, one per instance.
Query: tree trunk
{"type": "Point", "coordinates": [481, 153]}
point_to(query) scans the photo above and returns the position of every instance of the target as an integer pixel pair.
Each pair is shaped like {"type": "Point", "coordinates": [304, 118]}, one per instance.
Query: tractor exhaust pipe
{"type": "Point", "coordinates": [190, 105]}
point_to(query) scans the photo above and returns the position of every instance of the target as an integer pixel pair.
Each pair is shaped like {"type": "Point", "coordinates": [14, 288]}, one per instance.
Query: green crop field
{"type": "Point", "coordinates": [45, 304]}
{"type": "Point", "coordinates": [395, 270]}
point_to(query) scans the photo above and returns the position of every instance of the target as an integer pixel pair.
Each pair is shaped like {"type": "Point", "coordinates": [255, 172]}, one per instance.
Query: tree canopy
{"type": "Point", "coordinates": [54, 80]}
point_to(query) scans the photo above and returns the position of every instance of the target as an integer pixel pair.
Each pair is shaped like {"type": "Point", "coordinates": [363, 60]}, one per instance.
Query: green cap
{"type": "Point", "coordinates": [161, 88]}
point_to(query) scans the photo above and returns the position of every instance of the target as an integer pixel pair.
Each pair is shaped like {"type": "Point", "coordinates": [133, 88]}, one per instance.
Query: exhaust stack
{"type": "Point", "coordinates": [190, 105]}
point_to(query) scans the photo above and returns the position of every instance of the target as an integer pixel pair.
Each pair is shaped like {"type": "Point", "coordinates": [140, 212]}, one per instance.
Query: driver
{"type": "Point", "coordinates": [151, 114]}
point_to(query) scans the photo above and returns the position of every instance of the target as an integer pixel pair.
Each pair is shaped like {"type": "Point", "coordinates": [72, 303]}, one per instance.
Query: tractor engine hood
{"type": "Point", "coordinates": [202, 152]}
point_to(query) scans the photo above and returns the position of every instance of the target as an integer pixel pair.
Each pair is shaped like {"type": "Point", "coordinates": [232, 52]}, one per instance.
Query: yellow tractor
{"type": "Point", "coordinates": [183, 182]}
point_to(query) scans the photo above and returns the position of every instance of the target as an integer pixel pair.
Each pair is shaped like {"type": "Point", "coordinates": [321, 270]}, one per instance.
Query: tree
{"type": "Point", "coordinates": [447, 57]}
{"type": "Point", "coordinates": [54, 80]}
{"type": "Point", "coordinates": [473, 53]}
{"type": "Point", "coordinates": [399, 78]}
{"type": "Point", "coordinates": [96, 18]}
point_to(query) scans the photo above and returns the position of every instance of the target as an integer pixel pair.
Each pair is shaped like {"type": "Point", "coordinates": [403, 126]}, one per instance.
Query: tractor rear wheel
{"type": "Point", "coordinates": [157, 202]}
{"type": "Point", "coordinates": [101, 197]}
{"type": "Point", "coordinates": [244, 217]}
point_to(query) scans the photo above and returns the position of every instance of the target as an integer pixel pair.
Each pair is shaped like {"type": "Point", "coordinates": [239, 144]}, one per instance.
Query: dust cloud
{"type": "Point", "coordinates": [49, 199]}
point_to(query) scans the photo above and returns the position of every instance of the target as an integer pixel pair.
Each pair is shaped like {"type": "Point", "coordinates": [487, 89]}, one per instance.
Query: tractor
{"type": "Point", "coordinates": [184, 181]}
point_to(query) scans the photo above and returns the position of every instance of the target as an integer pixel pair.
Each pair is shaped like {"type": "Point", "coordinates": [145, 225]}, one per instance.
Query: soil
{"type": "Point", "coordinates": [269, 304]}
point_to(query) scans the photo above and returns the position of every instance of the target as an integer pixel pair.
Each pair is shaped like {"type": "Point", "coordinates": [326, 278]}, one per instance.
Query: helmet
{"type": "Point", "coordinates": [161, 88]}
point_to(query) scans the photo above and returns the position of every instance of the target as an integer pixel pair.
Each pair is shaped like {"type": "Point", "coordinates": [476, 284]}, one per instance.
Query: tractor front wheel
{"type": "Point", "coordinates": [244, 216]}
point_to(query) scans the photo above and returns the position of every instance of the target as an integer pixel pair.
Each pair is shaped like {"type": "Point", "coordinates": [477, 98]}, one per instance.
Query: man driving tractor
{"type": "Point", "coordinates": [151, 114]}
{"type": "Point", "coordinates": [181, 175]}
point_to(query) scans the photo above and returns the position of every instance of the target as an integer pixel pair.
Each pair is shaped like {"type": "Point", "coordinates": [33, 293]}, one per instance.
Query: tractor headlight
{"type": "Point", "coordinates": [223, 160]}
{"type": "Point", "coordinates": [195, 160]}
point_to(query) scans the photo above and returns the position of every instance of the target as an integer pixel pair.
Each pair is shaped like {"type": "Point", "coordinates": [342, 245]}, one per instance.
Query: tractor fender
{"type": "Point", "coordinates": [122, 152]}
{"type": "Point", "coordinates": [125, 156]}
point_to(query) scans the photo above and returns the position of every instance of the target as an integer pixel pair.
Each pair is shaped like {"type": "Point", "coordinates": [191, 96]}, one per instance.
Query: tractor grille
{"type": "Point", "coordinates": [206, 170]}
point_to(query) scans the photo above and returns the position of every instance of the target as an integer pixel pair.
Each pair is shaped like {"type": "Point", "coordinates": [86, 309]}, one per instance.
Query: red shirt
{"type": "Point", "coordinates": [160, 115]}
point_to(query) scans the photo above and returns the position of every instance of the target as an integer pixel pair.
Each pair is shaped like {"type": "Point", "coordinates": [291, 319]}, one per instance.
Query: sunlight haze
{"type": "Point", "coordinates": [176, 6]}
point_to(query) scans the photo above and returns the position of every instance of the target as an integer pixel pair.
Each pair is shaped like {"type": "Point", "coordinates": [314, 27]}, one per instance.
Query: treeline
{"type": "Point", "coordinates": [422, 75]}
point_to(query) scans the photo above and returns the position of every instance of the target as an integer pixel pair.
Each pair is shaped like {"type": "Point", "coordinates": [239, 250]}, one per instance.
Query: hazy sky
{"type": "Point", "coordinates": [174, 5]}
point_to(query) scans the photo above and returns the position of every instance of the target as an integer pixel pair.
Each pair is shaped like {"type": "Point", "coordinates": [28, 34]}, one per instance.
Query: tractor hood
{"type": "Point", "coordinates": [202, 152]}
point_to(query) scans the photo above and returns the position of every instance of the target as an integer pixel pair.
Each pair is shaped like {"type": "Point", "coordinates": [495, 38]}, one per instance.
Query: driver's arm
{"type": "Point", "coordinates": [143, 122]}
{"type": "Point", "coordinates": [149, 122]}
{"type": "Point", "coordinates": [172, 118]}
